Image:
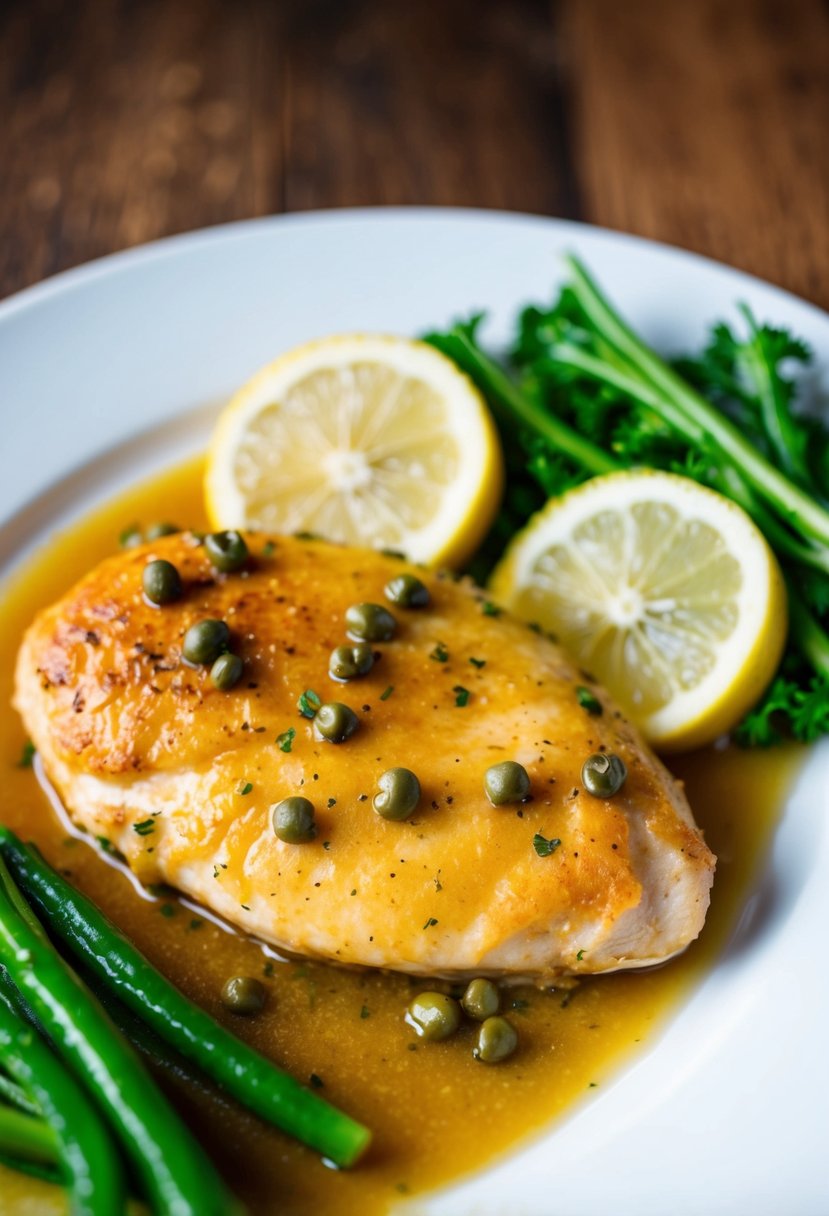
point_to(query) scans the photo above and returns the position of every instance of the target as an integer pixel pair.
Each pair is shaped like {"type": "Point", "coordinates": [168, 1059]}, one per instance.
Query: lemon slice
{"type": "Point", "coordinates": [665, 590]}
{"type": "Point", "coordinates": [368, 440]}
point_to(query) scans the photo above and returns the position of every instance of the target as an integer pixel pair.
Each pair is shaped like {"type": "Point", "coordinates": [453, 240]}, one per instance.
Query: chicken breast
{"type": "Point", "coordinates": [182, 777]}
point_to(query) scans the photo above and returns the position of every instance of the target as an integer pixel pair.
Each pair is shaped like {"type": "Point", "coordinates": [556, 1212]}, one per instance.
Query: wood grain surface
{"type": "Point", "coordinates": [698, 122]}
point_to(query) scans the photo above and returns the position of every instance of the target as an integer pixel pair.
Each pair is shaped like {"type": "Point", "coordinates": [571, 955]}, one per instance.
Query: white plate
{"type": "Point", "coordinates": [109, 371]}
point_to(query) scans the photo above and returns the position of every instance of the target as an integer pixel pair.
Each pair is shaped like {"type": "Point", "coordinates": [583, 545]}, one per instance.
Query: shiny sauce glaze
{"type": "Point", "coordinates": [343, 1031]}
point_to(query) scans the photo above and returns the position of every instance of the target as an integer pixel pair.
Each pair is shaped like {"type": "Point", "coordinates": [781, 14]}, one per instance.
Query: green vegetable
{"type": "Point", "coordinates": [336, 722]}
{"type": "Point", "coordinates": [407, 591]}
{"type": "Point", "coordinates": [161, 582]}
{"type": "Point", "coordinates": [244, 995]}
{"type": "Point", "coordinates": [369, 623]}
{"type": "Point", "coordinates": [399, 794]}
{"type": "Point", "coordinates": [205, 641]}
{"type": "Point", "coordinates": [285, 741]}
{"type": "Point", "coordinates": [462, 696]}
{"type": "Point", "coordinates": [481, 1000]}
{"type": "Point", "coordinates": [12, 1095]}
{"type": "Point", "coordinates": [589, 397]}
{"type": "Point", "coordinates": [603, 774]}
{"type": "Point", "coordinates": [176, 1175]}
{"type": "Point", "coordinates": [434, 1016]}
{"type": "Point", "coordinates": [226, 672]}
{"type": "Point", "coordinates": [349, 662]}
{"type": "Point", "coordinates": [238, 1069]}
{"type": "Point", "coordinates": [26, 1141]}
{"type": "Point", "coordinates": [80, 1141]}
{"type": "Point", "coordinates": [293, 820]}
{"type": "Point", "coordinates": [497, 1039]}
{"type": "Point", "coordinates": [506, 782]}
{"type": "Point", "coordinates": [226, 551]}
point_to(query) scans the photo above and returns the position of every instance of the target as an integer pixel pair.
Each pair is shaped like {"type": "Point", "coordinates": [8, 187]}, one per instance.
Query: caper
{"type": "Point", "coordinates": [205, 641]}
{"type": "Point", "coordinates": [506, 782]}
{"type": "Point", "coordinates": [227, 551]}
{"type": "Point", "coordinates": [348, 662]}
{"type": "Point", "coordinates": [497, 1039]}
{"type": "Point", "coordinates": [243, 994]}
{"type": "Point", "coordinates": [407, 591]}
{"type": "Point", "coordinates": [162, 528]}
{"type": "Point", "coordinates": [481, 1000]}
{"type": "Point", "coordinates": [369, 623]}
{"type": "Point", "coordinates": [335, 722]}
{"type": "Point", "coordinates": [434, 1016]}
{"type": "Point", "coordinates": [293, 820]}
{"type": "Point", "coordinates": [603, 774]}
{"type": "Point", "coordinates": [131, 537]}
{"type": "Point", "coordinates": [161, 582]}
{"type": "Point", "coordinates": [399, 794]}
{"type": "Point", "coordinates": [226, 672]}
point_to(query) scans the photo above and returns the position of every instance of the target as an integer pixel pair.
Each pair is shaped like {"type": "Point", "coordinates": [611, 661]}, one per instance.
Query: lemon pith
{"type": "Point", "coordinates": [364, 439]}
{"type": "Point", "coordinates": [663, 589]}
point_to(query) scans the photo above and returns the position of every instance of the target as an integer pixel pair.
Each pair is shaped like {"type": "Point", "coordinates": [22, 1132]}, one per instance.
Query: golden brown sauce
{"type": "Point", "coordinates": [346, 1028]}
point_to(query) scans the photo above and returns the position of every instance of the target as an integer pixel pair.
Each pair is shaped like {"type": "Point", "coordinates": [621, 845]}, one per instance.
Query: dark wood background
{"type": "Point", "coordinates": [704, 123]}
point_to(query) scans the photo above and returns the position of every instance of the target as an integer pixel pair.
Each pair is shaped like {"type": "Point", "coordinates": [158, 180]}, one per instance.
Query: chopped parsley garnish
{"type": "Point", "coordinates": [286, 739]}
{"type": "Point", "coordinates": [315, 1081]}
{"type": "Point", "coordinates": [267, 970]}
{"type": "Point", "coordinates": [145, 827]}
{"type": "Point", "coordinates": [543, 846]}
{"type": "Point", "coordinates": [386, 693]}
{"type": "Point", "coordinates": [196, 923]}
{"type": "Point", "coordinates": [105, 843]}
{"type": "Point", "coordinates": [588, 701]}
{"type": "Point", "coordinates": [479, 663]}
{"type": "Point", "coordinates": [308, 703]}
{"type": "Point", "coordinates": [580, 955]}
{"type": "Point", "coordinates": [245, 788]}
{"type": "Point", "coordinates": [430, 922]}
{"type": "Point", "coordinates": [440, 653]}
{"type": "Point", "coordinates": [167, 910]}
{"type": "Point", "coordinates": [490, 609]}
{"type": "Point", "coordinates": [27, 755]}
{"type": "Point", "coordinates": [461, 695]}
{"type": "Point", "coordinates": [268, 549]}
{"type": "Point", "coordinates": [365, 1012]}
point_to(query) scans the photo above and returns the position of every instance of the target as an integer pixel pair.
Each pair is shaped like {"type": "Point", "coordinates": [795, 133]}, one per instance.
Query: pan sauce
{"type": "Point", "coordinates": [436, 1113]}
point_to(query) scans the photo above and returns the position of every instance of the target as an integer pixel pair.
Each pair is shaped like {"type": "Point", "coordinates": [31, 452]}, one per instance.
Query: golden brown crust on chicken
{"type": "Point", "coordinates": [129, 732]}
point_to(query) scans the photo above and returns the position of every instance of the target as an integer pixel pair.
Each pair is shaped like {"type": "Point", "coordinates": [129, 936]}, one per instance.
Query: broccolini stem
{"type": "Point", "coordinates": [793, 504]}
{"type": "Point", "coordinates": [805, 632]}
{"type": "Point", "coordinates": [777, 421]}
{"type": "Point", "coordinates": [512, 406]}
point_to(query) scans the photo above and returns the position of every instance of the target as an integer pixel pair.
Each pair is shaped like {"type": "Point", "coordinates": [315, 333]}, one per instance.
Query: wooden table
{"type": "Point", "coordinates": [704, 123]}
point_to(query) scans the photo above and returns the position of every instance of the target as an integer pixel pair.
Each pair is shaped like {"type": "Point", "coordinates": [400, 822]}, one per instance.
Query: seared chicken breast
{"type": "Point", "coordinates": [181, 776]}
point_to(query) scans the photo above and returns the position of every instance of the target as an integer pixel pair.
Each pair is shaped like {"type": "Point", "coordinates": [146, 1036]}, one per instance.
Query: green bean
{"type": "Point", "coordinates": [35, 1169]}
{"type": "Point", "coordinates": [176, 1174]}
{"type": "Point", "coordinates": [254, 1081]}
{"type": "Point", "coordinates": [24, 1138]}
{"type": "Point", "coordinates": [91, 1164]}
{"type": "Point", "coordinates": [13, 1095]}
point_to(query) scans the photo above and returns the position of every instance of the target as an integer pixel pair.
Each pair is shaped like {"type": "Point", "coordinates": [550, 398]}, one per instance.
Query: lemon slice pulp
{"type": "Point", "coordinates": [661, 588]}
{"type": "Point", "coordinates": [368, 440]}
